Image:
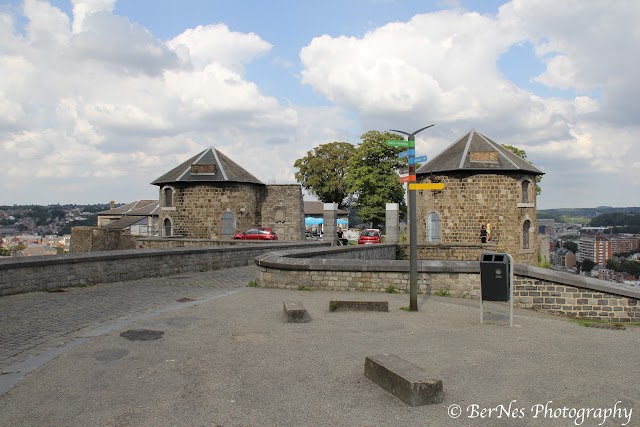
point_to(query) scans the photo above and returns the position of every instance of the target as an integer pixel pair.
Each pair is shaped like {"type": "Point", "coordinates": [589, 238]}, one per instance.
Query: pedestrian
{"type": "Point", "coordinates": [483, 234]}
{"type": "Point", "coordinates": [341, 238]}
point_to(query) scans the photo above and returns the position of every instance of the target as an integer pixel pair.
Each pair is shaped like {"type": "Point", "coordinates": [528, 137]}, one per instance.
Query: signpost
{"type": "Point", "coordinates": [421, 159]}
{"type": "Point", "coordinates": [426, 186]}
{"type": "Point", "coordinates": [413, 232]}
{"type": "Point", "coordinates": [399, 143]}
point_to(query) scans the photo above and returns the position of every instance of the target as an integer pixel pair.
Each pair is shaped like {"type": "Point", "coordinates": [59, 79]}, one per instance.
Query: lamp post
{"type": "Point", "coordinates": [413, 232]}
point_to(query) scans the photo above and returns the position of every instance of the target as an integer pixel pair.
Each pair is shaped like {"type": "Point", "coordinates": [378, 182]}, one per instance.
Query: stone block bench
{"type": "Point", "coordinates": [295, 312]}
{"type": "Point", "coordinates": [359, 305]}
{"type": "Point", "coordinates": [403, 379]}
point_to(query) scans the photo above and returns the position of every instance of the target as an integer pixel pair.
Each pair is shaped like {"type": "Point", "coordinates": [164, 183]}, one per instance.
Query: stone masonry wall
{"type": "Point", "coordinates": [198, 208]}
{"type": "Point", "coordinates": [90, 239]}
{"type": "Point", "coordinates": [282, 209]}
{"type": "Point", "coordinates": [470, 200]}
{"type": "Point", "coordinates": [558, 293]}
{"type": "Point", "coordinates": [39, 273]}
{"type": "Point", "coordinates": [574, 302]}
{"type": "Point", "coordinates": [452, 251]}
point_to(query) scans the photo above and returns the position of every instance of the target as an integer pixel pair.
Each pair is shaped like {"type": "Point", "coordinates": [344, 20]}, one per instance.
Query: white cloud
{"type": "Point", "coordinates": [94, 106]}
{"type": "Point", "coordinates": [83, 8]}
{"type": "Point", "coordinates": [216, 44]}
{"type": "Point", "coordinates": [442, 68]}
{"type": "Point", "coordinates": [101, 100]}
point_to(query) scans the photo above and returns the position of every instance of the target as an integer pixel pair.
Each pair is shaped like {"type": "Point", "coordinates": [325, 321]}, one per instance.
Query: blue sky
{"type": "Point", "coordinates": [100, 97]}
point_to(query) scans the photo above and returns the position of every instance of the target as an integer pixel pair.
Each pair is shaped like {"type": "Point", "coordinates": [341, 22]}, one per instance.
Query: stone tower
{"type": "Point", "coordinates": [211, 197]}
{"type": "Point", "coordinates": [484, 184]}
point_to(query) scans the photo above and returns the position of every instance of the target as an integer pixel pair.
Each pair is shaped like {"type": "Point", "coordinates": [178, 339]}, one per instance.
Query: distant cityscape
{"type": "Point", "coordinates": [580, 241]}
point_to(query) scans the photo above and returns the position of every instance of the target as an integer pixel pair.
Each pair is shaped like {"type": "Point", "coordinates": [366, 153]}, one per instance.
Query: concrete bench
{"type": "Point", "coordinates": [295, 312]}
{"type": "Point", "coordinates": [403, 379]}
{"type": "Point", "coordinates": [359, 305]}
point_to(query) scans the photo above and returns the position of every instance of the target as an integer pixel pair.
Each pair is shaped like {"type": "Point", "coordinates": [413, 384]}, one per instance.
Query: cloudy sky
{"type": "Point", "coordinates": [100, 97]}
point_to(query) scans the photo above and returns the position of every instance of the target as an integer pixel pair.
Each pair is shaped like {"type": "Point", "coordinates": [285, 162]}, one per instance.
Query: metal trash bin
{"type": "Point", "coordinates": [495, 276]}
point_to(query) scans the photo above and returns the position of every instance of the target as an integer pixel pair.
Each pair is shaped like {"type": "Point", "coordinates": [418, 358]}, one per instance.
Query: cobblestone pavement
{"type": "Point", "coordinates": [35, 323]}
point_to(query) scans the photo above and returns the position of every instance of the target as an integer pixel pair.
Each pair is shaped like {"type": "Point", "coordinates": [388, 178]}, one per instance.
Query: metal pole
{"type": "Point", "coordinates": [413, 241]}
{"type": "Point", "coordinates": [413, 230]}
{"type": "Point", "coordinates": [510, 290]}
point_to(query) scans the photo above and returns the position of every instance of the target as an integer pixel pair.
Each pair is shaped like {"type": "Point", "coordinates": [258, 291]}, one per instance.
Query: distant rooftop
{"type": "Point", "coordinates": [139, 207]}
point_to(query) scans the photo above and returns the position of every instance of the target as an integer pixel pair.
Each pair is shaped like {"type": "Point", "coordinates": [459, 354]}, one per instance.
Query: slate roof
{"type": "Point", "coordinates": [476, 152]}
{"type": "Point", "coordinates": [124, 222]}
{"type": "Point", "coordinates": [139, 207]}
{"type": "Point", "coordinates": [226, 170]}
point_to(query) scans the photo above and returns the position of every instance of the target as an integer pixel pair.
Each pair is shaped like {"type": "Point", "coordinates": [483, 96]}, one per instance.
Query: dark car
{"type": "Point", "coordinates": [256, 233]}
{"type": "Point", "coordinates": [370, 235]}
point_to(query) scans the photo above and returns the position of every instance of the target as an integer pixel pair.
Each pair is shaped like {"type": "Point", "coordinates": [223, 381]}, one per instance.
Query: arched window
{"type": "Point", "coordinates": [525, 191]}
{"type": "Point", "coordinates": [167, 227]}
{"type": "Point", "coordinates": [433, 227]}
{"type": "Point", "coordinates": [526, 228]}
{"type": "Point", "coordinates": [168, 197]}
{"type": "Point", "coordinates": [228, 225]}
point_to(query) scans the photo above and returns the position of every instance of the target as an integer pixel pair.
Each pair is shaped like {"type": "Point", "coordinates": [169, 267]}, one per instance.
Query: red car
{"type": "Point", "coordinates": [256, 233]}
{"type": "Point", "coordinates": [370, 235]}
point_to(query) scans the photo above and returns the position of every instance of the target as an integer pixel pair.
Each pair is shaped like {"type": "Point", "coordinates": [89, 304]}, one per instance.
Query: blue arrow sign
{"type": "Point", "coordinates": [421, 159]}
{"type": "Point", "coordinates": [409, 153]}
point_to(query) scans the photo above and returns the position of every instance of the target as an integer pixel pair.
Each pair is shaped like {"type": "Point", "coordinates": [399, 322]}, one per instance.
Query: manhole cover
{"type": "Point", "coordinates": [185, 299]}
{"type": "Point", "coordinates": [142, 335]}
{"type": "Point", "coordinates": [111, 354]}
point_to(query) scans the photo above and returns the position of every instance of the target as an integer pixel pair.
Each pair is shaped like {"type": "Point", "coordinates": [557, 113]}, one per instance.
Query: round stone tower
{"type": "Point", "coordinates": [485, 185]}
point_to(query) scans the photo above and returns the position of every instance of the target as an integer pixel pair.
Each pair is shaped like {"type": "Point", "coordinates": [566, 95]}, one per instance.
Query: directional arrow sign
{"type": "Point", "coordinates": [409, 153]}
{"type": "Point", "coordinates": [407, 178]}
{"type": "Point", "coordinates": [421, 159]}
{"type": "Point", "coordinates": [427, 186]}
{"type": "Point", "coordinates": [400, 143]}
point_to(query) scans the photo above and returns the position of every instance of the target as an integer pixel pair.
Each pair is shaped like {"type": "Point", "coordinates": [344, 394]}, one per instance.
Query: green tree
{"type": "Point", "coordinates": [373, 176]}
{"type": "Point", "coordinates": [523, 155]}
{"type": "Point", "coordinates": [572, 246]}
{"type": "Point", "coordinates": [322, 172]}
{"type": "Point", "coordinates": [587, 265]}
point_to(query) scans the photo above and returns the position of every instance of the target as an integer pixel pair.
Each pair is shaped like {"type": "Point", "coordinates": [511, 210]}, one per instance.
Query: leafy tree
{"type": "Point", "coordinates": [373, 176]}
{"type": "Point", "coordinates": [523, 155]}
{"type": "Point", "coordinates": [587, 265]}
{"type": "Point", "coordinates": [612, 264]}
{"type": "Point", "coordinates": [572, 246]}
{"type": "Point", "coordinates": [323, 172]}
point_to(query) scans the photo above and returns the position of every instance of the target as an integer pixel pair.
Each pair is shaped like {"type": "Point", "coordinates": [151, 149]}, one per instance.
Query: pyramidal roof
{"type": "Point", "coordinates": [207, 166]}
{"type": "Point", "coordinates": [476, 152]}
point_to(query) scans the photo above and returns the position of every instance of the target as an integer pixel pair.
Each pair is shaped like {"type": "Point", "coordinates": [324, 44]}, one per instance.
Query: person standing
{"type": "Point", "coordinates": [483, 234]}
{"type": "Point", "coordinates": [341, 238]}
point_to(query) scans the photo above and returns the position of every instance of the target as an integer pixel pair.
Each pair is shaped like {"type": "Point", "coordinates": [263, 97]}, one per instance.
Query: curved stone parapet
{"type": "Point", "coordinates": [372, 268]}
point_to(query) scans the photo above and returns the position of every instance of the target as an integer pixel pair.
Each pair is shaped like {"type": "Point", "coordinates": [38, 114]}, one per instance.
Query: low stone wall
{"type": "Point", "coordinates": [185, 242]}
{"type": "Point", "coordinates": [453, 251]}
{"type": "Point", "coordinates": [18, 275]}
{"type": "Point", "coordinates": [536, 288]}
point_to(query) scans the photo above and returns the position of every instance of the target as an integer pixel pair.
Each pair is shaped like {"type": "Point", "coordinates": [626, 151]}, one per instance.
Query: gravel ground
{"type": "Point", "coordinates": [233, 361]}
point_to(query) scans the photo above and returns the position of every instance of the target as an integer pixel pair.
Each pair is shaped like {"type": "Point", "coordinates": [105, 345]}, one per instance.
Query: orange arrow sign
{"type": "Point", "coordinates": [427, 186]}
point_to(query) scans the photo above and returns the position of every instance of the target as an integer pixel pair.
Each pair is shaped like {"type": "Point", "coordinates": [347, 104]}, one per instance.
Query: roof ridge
{"type": "Point", "coordinates": [222, 171]}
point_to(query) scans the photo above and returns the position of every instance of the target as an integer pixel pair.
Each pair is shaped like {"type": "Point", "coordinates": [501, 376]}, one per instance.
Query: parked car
{"type": "Point", "coordinates": [369, 236]}
{"type": "Point", "coordinates": [256, 233]}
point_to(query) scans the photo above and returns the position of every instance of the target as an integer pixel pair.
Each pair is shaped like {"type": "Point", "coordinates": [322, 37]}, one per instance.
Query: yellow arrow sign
{"type": "Point", "coordinates": [426, 186]}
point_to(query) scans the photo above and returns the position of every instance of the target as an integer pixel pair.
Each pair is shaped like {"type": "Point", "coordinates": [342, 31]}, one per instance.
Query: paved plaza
{"type": "Point", "coordinates": [203, 349]}
{"type": "Point", "coordinates": [37, 325]}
